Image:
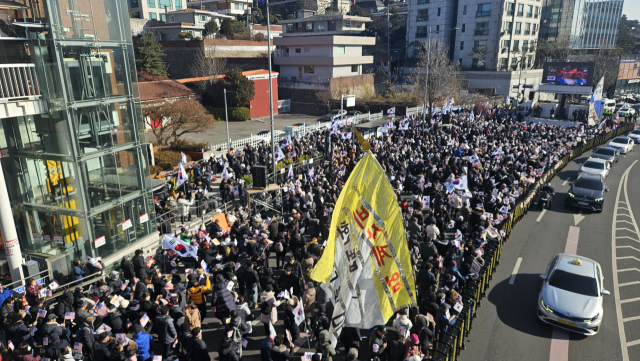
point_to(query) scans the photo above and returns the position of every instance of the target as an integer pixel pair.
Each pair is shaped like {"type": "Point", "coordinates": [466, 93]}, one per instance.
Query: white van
{"type": "Point", "coordinates": [609, 105]}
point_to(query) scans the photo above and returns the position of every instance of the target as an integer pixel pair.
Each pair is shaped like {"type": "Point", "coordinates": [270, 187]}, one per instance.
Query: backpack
{"type": "Point", "coordinates": [265, 308]}
{"type": "Point", "coordinates": [278, 247]}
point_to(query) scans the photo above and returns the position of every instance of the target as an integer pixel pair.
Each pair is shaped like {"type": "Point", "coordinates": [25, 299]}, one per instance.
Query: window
{"type": "Point", "coordinates": [163, 18]}
{"type": "Point", "coordinates": [508, 26]}
{"type": "Point", "coordinates": [511, 8]}
{"type": "Point", "coordinates": [555, 18]}
{"type": "Point", "coordinates": [464, 10]}
{"type": "Point", "coordinates": [514, 63]}
{"type": "Point", "coordinates": [462, 45]}
{"type": "Point", "coordinates": [151, 3]}
{"type": "Point", "coordinates": [556, 4]}
{"type": "Point", "coordinates": [167, 3]}
{"type": "Point", "coordinates": [464, 26]}
{"type": "Point", "coordinates": [153, 16]}
{"type": "Point", "coordinates": [518, 28]}
{"type": "Point", "coordinates": [134, 3]}
{"type": "Point", "coordinates": [307, 50]}
{"type": "Point", "coordinates": [506, 44]}
{"type": "Point", "coordinates": [354, 68]}
{"type": "Point", "coordinates": [480, 45]}
{"type": "Point", "coordinates": [535, 27]}
{"type": "Point", "coordinates": [286, 50]}
{"type": "Point", "coordinates": [203, 18]}
{"type": "Point", "coordinates": [438, 11]}
{"type": "Point", "coordinates": [437, 29]}
{"type": "Point", "coordinates": [520, 9]}
{"type": "Point", "coordinates": [172, 19]}
{"type": "Point", "coordinates": [347, 24]}
{"type": "Point", "coordinates": [516, 45]}
{"type": "Point", "coordinates": [552, 32]}
{"type": "Point", "coordinates": [421, 32]}
{"type": "Point", "coordinates": [527, 28]}
{"type": "Point", "coordinates": [178, 4]}
{"type": "Point", "coordinates": [460, 61]}
{"type": "Point", "coordinates": [341, 50]}
{"type": "Point", "coordinates": [574, 283]}
{"type": "Point", "coordinates": [535, 12]}
{"type": "Point", "coordinates": [529, 11]}
{"type": "Point", "coordinates": [483, 10]}
{"type": "Point", "coordinates": [319, 27]}
{"type": "Point", "coordinates": [308, 69]}
{"type": "Point", "coordinates": [238, 6]}
{"type": "Point", "coordinates": [423, 14]}
{"type": "Point", "coordinates": [289, 28]}
{"type": "Point", "coordinates": [298, 50]}
{"type": "Point", "coordinates": [477, 64]}
{"type": "Point", "coordinates": [525, 45]}
{"type": "Point", "coordinates": [135, 15]}
{"type": "Point", "coordinates": [423, 2]}
{"type": "Point", "coordinates": [482, 29]}
{"type": "Point", "coordinates": [503, 63]}
{"type": "Point", "coordinates": [309, 26]}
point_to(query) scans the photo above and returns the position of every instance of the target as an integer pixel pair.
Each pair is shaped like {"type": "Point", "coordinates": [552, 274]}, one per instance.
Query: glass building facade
{"type": "Point", "coordinates": [77, 173]}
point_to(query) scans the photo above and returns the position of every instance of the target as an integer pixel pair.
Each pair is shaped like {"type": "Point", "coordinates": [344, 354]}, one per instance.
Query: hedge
{"type": "Point", "coordinates": [168, 159]}
{"type": "Point", "coordinates": [235, 114]}
{"type": "Point", "coordinates": [187, 146]}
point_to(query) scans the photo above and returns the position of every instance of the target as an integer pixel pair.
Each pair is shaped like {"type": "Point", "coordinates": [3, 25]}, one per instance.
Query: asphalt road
{"type": "Point", "coordinates": [507, 327]}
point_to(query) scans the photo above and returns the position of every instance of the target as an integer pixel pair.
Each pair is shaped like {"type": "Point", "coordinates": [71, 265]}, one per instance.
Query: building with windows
{"type": "Point", "coordinates": [315, 51]}
{"type": "Point", "coordinates": [490, 36]}
{"type": "Point", "coordinates": [582, 24]}
{"type": "Point", "coordinates": [227, 7]}
{"type": "Point", "coordinates": [72, 139]}
{"type": "Point", "coordinates": [190, 20]}
{"type": "Point", "coordinates": [154, 9]}
{"type": "Point", "coordinates": [629, 74]}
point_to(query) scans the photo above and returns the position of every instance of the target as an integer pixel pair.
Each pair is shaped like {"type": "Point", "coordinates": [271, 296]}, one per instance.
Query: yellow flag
{"type": "Point", "coordinates": [366, 252]}
{"type": "Point", "coordinates": [363, 142]}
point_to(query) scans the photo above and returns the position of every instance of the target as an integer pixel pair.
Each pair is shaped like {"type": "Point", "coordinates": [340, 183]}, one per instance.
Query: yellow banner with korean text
{"type": "Point", "coordinates": [366, 264]}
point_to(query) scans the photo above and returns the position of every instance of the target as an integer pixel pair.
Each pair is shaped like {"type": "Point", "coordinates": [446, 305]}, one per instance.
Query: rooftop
{"type": "Point", "coordinates": [327, 17]}
{"type": "Point", "coordinates": [249, 74]}
{"type": "Point", "coordinates": [160, 89]}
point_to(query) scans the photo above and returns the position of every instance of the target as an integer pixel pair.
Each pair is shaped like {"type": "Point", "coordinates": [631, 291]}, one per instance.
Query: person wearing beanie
{"type": "Point", "coordinates": [411, 347]}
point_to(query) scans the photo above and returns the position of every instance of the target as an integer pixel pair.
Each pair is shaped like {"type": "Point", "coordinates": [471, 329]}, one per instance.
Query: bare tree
{"type": "Point", "coordinates": [444, 78]}
{"type": "Point", "coordinates": [206, 65]}
{"type": "Point", "coordinates": [170, 120]}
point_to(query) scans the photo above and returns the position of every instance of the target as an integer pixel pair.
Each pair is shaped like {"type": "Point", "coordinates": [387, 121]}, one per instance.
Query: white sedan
{"type": "Point", "coordinates": [624, 144]}
{"type": "Point", "coordinates": [627, 109]}
{"type": "Point", "coordinates": [635, 135]}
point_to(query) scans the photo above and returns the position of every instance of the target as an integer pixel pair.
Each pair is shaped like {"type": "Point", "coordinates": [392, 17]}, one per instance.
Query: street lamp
{"type": "Point", "coordinates": [226, 117]}
{"type": "Point", "coordinates": [426, 80]}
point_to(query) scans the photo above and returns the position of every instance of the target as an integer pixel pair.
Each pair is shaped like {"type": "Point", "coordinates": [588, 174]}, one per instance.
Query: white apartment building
{"type": "Point", "coordinates": [154, 9]}
{"type": "Point", "coordinates": [491, 35]}
{"type": "Point", "coordinates": [191, 21]}
{"type": "Point", "coordinates": [227, 7]}
{"type": "Point", "coordinates": [317, 49]}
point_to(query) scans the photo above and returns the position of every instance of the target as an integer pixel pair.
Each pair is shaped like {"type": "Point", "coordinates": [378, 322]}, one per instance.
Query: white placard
{"type": "Point", "coordinates": [126, 224]}
{"type": "Point", "coordinates": [101, 241]}
{"type": "Point", "coordinates": [144, 218]}
{"type": "Point", "coordinates": [58, 239]}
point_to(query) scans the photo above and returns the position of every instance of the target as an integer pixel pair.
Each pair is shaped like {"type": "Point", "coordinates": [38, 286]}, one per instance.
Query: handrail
{"type": "Point", "coordinates": [22, 280]}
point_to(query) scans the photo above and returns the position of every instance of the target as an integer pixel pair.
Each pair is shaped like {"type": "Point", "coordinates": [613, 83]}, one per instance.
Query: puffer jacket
{"type": "Point", "coordinates": [323, 346]}
{"type": "Point", "coordinates": [197, 294]}
{"type": "Point", "coordinates": [432, 232]}
{"type": "Point", "coordinates": [269, 297]}
{"type": "Point", "coordinates": [165, 328]}
{"type": "Point", "coordinates": [222, 300]}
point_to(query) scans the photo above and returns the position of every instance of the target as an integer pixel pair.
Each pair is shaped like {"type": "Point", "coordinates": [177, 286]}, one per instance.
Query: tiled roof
{"type": "Point", "coordinates": [152, 90]}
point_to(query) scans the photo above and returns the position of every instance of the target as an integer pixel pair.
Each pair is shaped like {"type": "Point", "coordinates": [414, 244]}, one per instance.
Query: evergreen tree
{"type": "Point", "coordinates": [227, 28]}
{"type": "Point", "coordinates": [243, 88]}
{"type": "Point", "coordinates": [149, 56]}
{"type": "Point", "coordinates": [211, 29]}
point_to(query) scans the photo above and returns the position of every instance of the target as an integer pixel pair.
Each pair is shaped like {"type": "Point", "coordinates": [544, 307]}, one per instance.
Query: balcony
{"type": "Point", "coordinates": [481, 32]}
{"type": "Point", "coordinates": [20, 91]}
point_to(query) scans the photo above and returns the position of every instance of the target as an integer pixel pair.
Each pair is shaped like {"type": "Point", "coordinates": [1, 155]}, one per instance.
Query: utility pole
{"type": "Point", "coordinates": [9, 234]}
{"type": "Point", "coordinates": [226, 117]}
{"type": "Point", "coordinates": [273, 131]}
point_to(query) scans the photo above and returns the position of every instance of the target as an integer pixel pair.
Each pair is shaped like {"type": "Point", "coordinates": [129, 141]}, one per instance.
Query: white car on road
{"type": "Point", "coordinates": [635, 135]}
{"type": "Point", "coordinates": [626, 109]}
{"type": "Point", "coordinates": [572, 294]}
{"type": "Point", "coordinates": [623, 144]}
{"type": "Point", "coordinates": [596, 166]}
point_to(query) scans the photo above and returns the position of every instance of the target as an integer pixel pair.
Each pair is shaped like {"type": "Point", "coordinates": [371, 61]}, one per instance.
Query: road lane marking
{"type": "Point", "coordinates": [572, 240]}
{"type": "Point", "coordinates": [628, 269]}
{"type": "Point", "coordinates": [628, 247]}
{"type": "Point", "coordinates": [625, 221]}
{"type": "Point", "coordinates": [565, 182]}
{"type": "Point", "coordinates": [633, 343]}
{"type": "Point", "coordinates": [559, 345]}
{"type": "Point", "coordinates": [515, 271]}
{"type": "Point", "coordinates": [630, 300]}
{"type": "Point", "coordinates": [633, 239]}
{"type": "Point", "coordinates": [541, 215]}
{"type": "Point", "coordinates": [577, 218]}
{"type": "Point", "coordinates": [628, 284]}
{"type": "Point", "coordinates": [628, 319]}
{"type": "Point", "coordinates": [624, 229]}
{"type": "Point", "coordinates": [628, 257]}
{"type": "Point", "coordinates": [614, 265]}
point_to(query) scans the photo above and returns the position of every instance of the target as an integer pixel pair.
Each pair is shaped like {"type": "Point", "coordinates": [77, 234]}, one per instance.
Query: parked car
{"type": "Point", "coordinates": [572, 294]}
{"type": "Point", "coordinates": [335, 114]}
{"type": "Point", "coordinates": [353, 113]}
{"type": "Point", "coordinates": [624, 144]}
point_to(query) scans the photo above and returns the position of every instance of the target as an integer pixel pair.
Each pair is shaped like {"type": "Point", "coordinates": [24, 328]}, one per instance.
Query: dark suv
{"type": "Point", "coordinates": [587, 192]}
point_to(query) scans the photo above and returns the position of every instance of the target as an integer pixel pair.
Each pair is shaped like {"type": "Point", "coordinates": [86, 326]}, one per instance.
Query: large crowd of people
{"type": "Point", "coordinates": [255, 269]}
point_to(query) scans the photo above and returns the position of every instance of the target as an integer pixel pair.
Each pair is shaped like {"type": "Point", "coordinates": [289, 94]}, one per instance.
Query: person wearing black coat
{"type": "Point", "coordinates": [55, 343]}
{"type": "Point", "coordinates": [127, 268]}
{"type": "Point", "coordinates": [223, 299]}
{"type": "Point", "coordinates": [103, 347]}
{"type": "Point", "coordinates": [290, 320]}
{"type": "Point", "coordinates": [65, 305]}
{"type": "Point", "coordinates": [117, 321]}
{"type": "Point", "coordinates": [227, 352]}
{"type": "Point", "coordinates": [141, 288]}
{"type": "Point", "coordinates": [288, 280]}
{"type": "Point", "coordinates": [350, 337]}
{"type": "Point", "coordinates": [279, 351]}
{"type": "Point", "coordinates": [166, 332]}
{"type": "Point", "coordinates": [198, 349]}
{"type": "Point", "coordinates": [267, 279]}
{"type": "Point", "coordinates": [51, 326]}
{"type": "Point", "coordinates": [251, 283]}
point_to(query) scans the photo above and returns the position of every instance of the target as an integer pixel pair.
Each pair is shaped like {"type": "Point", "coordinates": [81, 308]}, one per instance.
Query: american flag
{"type": "Point", "coordinates": [102, 310]}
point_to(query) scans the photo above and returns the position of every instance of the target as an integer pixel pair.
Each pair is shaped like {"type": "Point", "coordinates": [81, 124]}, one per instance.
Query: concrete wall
{"type": "Point", "coordinates": [503, 81]}
{"type": "Point", "coordinates": [260, 104]}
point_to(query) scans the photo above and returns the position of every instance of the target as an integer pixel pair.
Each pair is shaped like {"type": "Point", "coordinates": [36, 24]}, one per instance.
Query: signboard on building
{"type": "Point", "coordinates": [568, 73]}
{"type": "Point", "coordinates": [144, 218]}
{"type": "Point", "coordinates": [100, 241]}
{"type": "Point", "coordinates": [126, 224]}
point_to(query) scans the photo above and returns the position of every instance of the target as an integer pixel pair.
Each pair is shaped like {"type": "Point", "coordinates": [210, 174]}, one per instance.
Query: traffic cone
{"type": "Point", "coordinates": [24, 303]}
